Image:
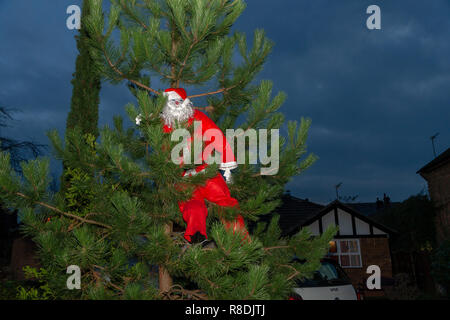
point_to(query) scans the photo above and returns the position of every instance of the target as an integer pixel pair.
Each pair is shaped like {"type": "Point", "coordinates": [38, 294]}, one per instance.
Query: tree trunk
{"type": "Point", "coordinates": [165, 280]}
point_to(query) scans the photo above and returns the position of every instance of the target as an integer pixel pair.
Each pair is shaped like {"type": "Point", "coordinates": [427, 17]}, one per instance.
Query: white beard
{"type": "Point", "coordinates": [173, 114]}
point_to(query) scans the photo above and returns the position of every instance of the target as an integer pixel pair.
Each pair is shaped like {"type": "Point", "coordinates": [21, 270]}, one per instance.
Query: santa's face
{"type": "Point", "coordinates": [176, 111]}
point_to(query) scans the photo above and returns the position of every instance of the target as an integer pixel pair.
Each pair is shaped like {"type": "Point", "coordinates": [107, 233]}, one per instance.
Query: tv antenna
{"type": "Point", "coordinates": [337, 187]}
{"type": "Point", "coordinates": [432, 142]}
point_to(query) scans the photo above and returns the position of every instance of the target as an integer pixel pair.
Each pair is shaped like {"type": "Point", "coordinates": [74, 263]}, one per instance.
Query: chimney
{"type": "Point", "coordinates": [379, 204]}
{"type": "Point", "coordinates": [386, 200]}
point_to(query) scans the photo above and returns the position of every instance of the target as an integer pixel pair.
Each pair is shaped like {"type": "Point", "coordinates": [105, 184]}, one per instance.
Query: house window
{"type": "Point", "coordinates": [347, 252]}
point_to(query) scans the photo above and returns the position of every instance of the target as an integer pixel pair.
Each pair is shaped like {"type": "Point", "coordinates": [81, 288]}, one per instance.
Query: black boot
{"type": "Point", "coordinates": [197, 238]}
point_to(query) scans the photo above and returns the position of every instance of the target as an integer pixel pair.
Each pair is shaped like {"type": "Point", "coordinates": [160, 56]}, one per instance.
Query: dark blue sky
{"type": "Point", "coordinates": [375, 97]}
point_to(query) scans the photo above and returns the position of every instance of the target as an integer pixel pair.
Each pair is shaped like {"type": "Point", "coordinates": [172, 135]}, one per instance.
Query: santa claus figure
{"type": "Point", "coordinates": [179, 110]}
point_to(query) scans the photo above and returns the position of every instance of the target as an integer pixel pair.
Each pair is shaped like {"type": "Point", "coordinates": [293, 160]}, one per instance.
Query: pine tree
{"type": "Point", "coordinates": [83, 115]}
{"type": "Point", "coordinates": [127, 228]}
{"type": "Point", "coordinates": [86, 84]}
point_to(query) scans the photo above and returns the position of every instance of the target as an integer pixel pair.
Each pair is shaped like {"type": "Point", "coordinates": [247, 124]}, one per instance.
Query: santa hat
{"type": "Point", "coordinates": [175, 93]}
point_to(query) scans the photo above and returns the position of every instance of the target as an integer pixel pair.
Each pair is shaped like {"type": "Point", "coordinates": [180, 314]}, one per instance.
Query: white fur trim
{"type": "Point", "coordinates": [228, 165]}
{"type": "Point", "coordinates": [192, 172]}
{"type": "Point", "coordinates": [172, 95]}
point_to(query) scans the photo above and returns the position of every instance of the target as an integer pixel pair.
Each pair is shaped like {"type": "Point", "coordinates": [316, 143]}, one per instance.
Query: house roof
{"type": "Point", "coordinates": [370, 208]}
{"type": "Point", "coordinates": [443, 158]}
{"type": "Point", "coordinates": [295, 213]}
{"type": "Point", "coordinates": [345, 207]}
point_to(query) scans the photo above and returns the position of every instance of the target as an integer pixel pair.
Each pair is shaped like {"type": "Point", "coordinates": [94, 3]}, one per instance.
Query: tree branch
{"type": "Point", "coordinates": [276, 247]}
{"type": "Point", "coordinates": [216, 92]}
{"type": "Point", "coordinates": [123, 76]}
{"type": "Point", "coordinates": [294, 274]}
{"type": "Point", "coordinates": [212, 92]}
{"type": "Point", "coordinates": [177, 290]}
{"type": "Point", "coordinates": [69, 215]}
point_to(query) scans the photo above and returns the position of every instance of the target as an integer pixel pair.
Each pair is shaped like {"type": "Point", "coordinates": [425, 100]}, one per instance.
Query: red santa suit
{"type": "Point", "coordinates": [215, 190]}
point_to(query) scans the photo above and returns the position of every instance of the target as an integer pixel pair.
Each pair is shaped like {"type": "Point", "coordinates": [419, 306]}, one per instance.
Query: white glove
{"type": "Point", "coordinates": [138, 119]}
{"type": "Point", "coordinates": [228, 177]}
{"type": "Point", "coordinates": [227, 167]}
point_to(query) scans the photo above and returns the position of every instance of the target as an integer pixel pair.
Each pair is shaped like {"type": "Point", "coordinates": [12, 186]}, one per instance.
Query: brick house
{"type": "Point", "coordinates": [8, 229]}
{"type": "Point", "coordinates": [437, 175]}
{"type": "Point", "coordinates": [16, 251]}
{"type": "Point", "coordinates": [359, 243]}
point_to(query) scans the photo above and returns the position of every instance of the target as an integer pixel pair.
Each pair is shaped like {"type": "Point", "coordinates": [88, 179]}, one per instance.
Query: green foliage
{"type": "Point", "coordinates": [403, 289]}
{"type": "Point", "coordinates": [111, 221]}
{"type": "Point", "coordinates": [257, 270]}
{"type": "Point", "coordinates": [414, 221]}
{"type": "Point", "coordinates": [8, 289]}
{"type": "Point", "coordinates": [42, 292]}
{"type": "Point", "coordinates": [441, 265]}
{"type": "Point", "coordinates": [79, 195]}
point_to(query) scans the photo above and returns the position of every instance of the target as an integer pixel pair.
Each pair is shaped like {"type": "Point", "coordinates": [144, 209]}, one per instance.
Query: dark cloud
{"type": "Point", "coordinates": [375, 97]}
